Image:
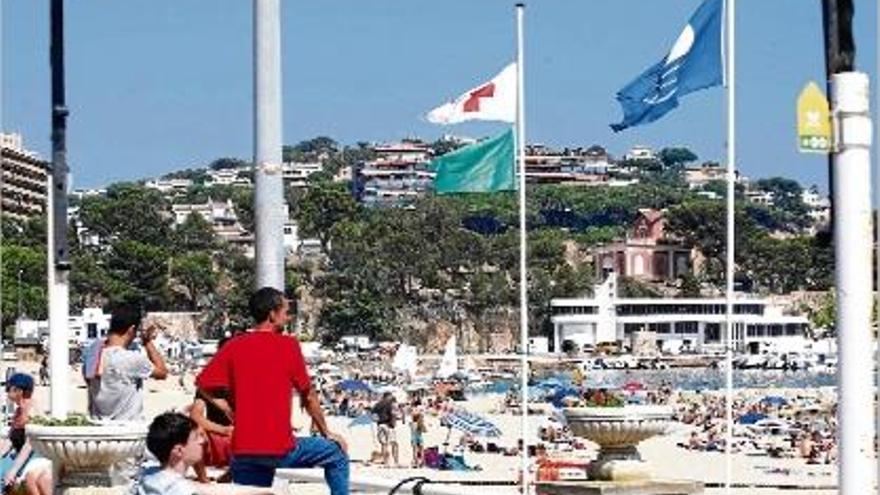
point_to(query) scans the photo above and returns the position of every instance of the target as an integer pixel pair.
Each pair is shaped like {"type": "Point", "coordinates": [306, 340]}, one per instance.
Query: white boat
{"type": "Point", "coordinates": [449, 362]}
{"type": "Point", "coordinates": [406, 360]}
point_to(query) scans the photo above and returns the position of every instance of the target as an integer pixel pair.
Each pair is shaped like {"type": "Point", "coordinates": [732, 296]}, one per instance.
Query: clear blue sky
{"type": "Point", "coordinates": [158, 85]}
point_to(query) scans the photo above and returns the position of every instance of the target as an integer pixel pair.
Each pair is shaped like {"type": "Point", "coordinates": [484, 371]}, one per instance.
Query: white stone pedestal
{"type": "Point", "coordinates": [86, 458]}
{"type": "Point", "coordinates": [618, 431]}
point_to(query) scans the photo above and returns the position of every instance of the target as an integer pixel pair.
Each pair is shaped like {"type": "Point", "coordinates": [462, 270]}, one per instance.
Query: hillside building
{"type": "Point", "coordinates": [23, 179]}
{"type": "Point", "coordinates": [647, 253]}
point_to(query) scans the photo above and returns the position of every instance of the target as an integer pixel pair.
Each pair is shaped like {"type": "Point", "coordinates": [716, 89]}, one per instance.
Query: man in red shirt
{"type": "Point", "coordinates": [260, 369]}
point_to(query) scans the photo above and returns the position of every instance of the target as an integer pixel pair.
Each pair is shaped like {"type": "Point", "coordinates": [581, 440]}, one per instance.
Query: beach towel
{"type": "Point", "coordinates": [455, 463]}
{"type": "Point", "coordinates": [92, 359]}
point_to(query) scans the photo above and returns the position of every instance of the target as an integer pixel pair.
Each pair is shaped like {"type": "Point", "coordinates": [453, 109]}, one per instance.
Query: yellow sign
{"type": "Point", "coordinates": [813, 121]}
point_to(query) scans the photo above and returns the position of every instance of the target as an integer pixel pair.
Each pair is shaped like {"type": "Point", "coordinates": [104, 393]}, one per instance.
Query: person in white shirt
{"type": "Point", "coordinates": [115, 372]}
{"type": "Point", "coordinates": [177, 443]}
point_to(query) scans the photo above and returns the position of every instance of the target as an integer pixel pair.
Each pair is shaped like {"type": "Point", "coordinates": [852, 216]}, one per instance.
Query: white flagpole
{"type": "Point", "coordinates": [877, 223]}
{"type": "Point", "coordinates": [523, 279]}
{"type": "Point", "coordinates": [730, 61]}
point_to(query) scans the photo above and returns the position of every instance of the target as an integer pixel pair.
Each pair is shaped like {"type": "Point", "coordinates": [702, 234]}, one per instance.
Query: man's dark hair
{"type": "Point", "coordinates": [123, 318]}
{"type": "Point", "coordinates": [166, 431]}
{"type": "Point", "coordinates": [263, 302]}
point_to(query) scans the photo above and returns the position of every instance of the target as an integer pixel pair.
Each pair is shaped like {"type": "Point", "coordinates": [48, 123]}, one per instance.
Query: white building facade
{"type": "Point", "coordinates": [696, 323]}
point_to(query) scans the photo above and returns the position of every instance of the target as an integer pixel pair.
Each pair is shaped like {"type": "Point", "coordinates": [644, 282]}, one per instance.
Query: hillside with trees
{"type": "Point", "coordinates": [449, 261]}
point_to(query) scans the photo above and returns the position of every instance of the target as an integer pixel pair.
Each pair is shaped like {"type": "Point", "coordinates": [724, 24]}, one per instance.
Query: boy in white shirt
{"type": "Point", "coordinates": [177, 443]}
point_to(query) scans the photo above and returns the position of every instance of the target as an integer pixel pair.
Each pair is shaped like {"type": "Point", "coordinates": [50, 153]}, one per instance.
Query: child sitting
{"type": "Point", "coordinates": [214, 417]}
{"type": "Point", "coordinates": [176, 442]}
{"type": "Point", "coordinates": [19, 463]}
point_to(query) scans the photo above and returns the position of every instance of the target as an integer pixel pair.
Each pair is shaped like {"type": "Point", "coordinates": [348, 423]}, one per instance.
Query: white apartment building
{"type": "Point", "coordinates": [640, 152]}
{"type": "Point", "coordinates": [213, 212]}
{"type": "Point", "coordinates": [297, 174]}
{"type": "Point", "coordinates": [91, 324]}
{"type": "Point", "coordinates": [168, 186]}
{"type": "Point", "coordinates": [696, 323]}
{"type": "Point", "coordinates": [23, 179]}
{"type": "Point", "coordinates": [700, 175]}
{"type": "Point", "coordinates": [766, 198]}
{"type": "Point", "coordinates": [229, 177]}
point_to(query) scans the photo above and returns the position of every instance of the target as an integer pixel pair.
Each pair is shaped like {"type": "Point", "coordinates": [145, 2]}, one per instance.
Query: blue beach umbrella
{"type": "Point", "coordinates": [751, 418]}
{"type": "Point", "coordinates": [774, 400]}
{"type": "Point", "coordinates": [353, 386]}
{"type": "Point", "coordinates": [552, 382]}
{"type": "Point", "coordinates": [557, 398]}
{"type": "Point", "coordinates": [471, 423]}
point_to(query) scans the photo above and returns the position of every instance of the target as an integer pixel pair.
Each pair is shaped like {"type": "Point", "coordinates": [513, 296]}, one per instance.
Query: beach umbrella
{"type": "Point", "coordinates": [470, 423]}
{"type": "Point", "coordinates": [633, 387]}
{"type": "Point", "coordinates": [499, 387]}
{"type": "Point", "coordinates": [552, 382]}
{"type": "Point", "coordinates": [350, 385]}
{"type": "Point", "coordinates": [539, 393]}
{"type": "Point", "coordinates": [557, 398]}
{"type": "Point", "coordinates": [774, 400]}
{"type": "Point", "coordinates": [362, 420]}
{"type": "Point", "coordinates": [751, 418]}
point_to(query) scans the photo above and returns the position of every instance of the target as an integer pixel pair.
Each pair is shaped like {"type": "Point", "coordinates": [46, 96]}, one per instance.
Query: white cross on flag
{"type": "Point", "coordinates": [494, 100]}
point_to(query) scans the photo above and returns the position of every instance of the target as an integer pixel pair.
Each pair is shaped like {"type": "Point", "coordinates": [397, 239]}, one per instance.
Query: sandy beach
{"type": "Point", "coordinates": [752, 474]}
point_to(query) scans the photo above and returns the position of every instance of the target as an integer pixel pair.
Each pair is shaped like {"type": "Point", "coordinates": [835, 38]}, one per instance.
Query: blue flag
{"type": "Point", "coordinates": [693, 63]}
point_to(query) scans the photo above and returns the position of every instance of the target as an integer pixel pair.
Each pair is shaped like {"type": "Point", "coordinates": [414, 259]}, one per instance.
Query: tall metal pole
{"type": "Point", "coordinates": [839, 56]}
{"type": "Point", "coordinates": [730, 72]}
{"type": "Point", "coordinates": [523, 259]}
{"type": "Point", "coordinates": [849, 177]}
{"type": "Point", "coordinates": [59, 259]}
{"type": "Point", "coordinates": [18, 291]}
{"type": "Point", "coordinates": [269, 211]}
{"type": "Point", "coordinates": [852, 250]}
{"type": "Point", "coordinates": [877, 217]}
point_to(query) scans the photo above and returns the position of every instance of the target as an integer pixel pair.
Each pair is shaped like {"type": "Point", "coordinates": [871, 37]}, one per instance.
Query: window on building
{"type": "Point", "coordinates": [629, 328]}
{"type": "Point", "coordinates": [686, 327]}
{"type": "Point", "coordinates": [713, 332]}
{"type": "Point", "coordinates": [92, 330]}
{"type": "Point", "coordinates": [659, 327]}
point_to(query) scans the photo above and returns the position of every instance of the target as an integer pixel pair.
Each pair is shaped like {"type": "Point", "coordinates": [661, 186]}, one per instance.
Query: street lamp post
{"type": "Point", "coordinates": [269, 210]}
{"type": "Point", "coordinates": [18, 292]}
{"type": "Point", "coordinates": [59, 255]}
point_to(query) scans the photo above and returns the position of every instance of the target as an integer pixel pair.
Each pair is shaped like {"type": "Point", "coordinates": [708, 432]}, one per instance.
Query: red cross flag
{"type": "Point", "coordinates": [494, 100]}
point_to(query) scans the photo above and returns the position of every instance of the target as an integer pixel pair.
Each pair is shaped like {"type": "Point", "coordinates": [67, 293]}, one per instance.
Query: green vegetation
{"type": "Point", "coordinates": [70, 420]}
{"type": "Point", "coordinates": [396, 272]}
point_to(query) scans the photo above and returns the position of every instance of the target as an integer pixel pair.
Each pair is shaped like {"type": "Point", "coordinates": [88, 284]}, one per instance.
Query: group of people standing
{"type": "Point", "coordinates": [386, 413]}
{"type": "Point", "coordinates": [241, 415]}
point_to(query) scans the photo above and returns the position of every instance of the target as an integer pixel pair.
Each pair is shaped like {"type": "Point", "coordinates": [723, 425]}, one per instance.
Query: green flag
{"type": "Point", "coordinates": [486, 166]}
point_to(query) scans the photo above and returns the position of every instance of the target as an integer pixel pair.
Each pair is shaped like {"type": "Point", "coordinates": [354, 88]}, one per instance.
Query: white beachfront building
{"type": "Point", "coordinates": [91, 324]}
{"type": "Point", "coordinates": [695, 323]}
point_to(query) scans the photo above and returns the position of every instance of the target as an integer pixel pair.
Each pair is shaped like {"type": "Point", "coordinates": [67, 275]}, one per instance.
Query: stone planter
{"type": "Point", "coordinates": [89, 456]}
{"type": "Point", "coordinates": [618, 431]}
